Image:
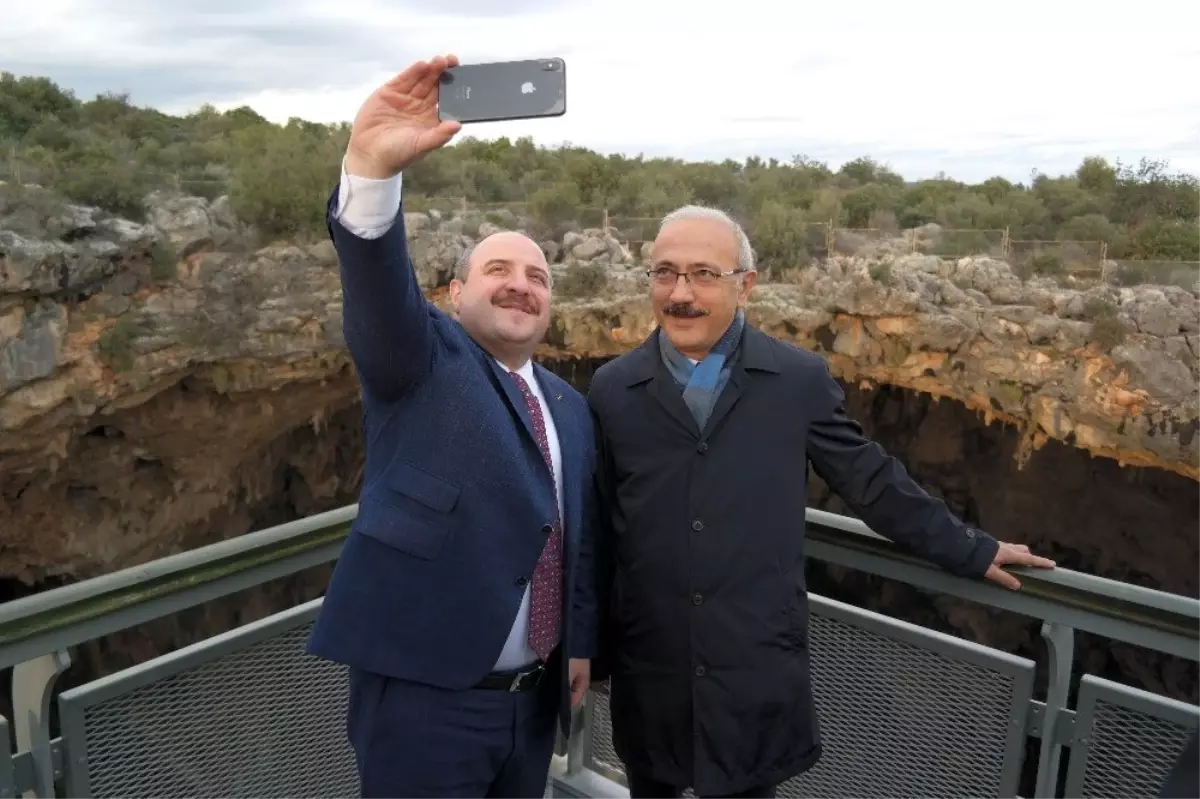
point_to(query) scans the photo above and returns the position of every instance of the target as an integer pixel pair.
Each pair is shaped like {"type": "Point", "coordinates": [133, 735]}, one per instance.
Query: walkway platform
{"type": "Point", "coordinates": [905, 711]}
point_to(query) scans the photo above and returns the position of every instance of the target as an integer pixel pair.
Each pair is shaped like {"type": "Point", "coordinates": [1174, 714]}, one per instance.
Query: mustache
{"type": "Point", "coordinates": [683, 310]}
{"type": "Point", "coordinates": [517, 301]}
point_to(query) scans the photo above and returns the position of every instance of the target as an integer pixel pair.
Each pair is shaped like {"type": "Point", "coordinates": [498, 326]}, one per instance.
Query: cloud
{"type": "Point", "coordinates": [969, 89]}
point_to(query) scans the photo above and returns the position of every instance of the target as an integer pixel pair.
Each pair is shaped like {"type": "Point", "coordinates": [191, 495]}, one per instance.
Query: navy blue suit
{"type": "Point", "coordinates": [455, 508]}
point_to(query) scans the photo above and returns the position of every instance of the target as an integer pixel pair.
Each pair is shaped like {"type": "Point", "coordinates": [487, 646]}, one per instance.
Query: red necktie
{"type": "Point", "coordinates": [546, 600]}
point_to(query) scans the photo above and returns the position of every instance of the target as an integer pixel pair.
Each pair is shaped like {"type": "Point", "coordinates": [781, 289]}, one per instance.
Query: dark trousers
{"type": "Point", "coordinates": [416, 740]}
{"type": "Point", "coordinates": [641, 787]}
{"type": "Point", "coordinates": [1184, 777]}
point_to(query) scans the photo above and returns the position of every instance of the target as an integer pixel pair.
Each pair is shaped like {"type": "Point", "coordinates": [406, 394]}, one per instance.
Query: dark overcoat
{"type": "Point", "coordinates": [702, 557]}
{"type": "Point", "coordinates": [1183, 780]}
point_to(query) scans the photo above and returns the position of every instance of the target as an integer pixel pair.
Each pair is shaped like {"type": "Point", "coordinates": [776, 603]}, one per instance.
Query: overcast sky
{"type": "Point", "coordinates": [970, 88]}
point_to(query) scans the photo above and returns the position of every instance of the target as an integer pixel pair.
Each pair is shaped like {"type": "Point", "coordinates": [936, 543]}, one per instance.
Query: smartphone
{"type": "Point", "coordinates": [503, 90]}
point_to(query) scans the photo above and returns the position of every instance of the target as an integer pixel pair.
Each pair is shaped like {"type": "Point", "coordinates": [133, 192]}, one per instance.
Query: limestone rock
{"type": "Point", "coordinates": [246, 345]}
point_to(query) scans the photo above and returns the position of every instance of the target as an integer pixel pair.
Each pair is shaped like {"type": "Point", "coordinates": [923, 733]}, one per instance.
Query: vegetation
{"type": "Point", "coordinates": [117, 341]}
{"type": "Point", "coordinates": [582, 280]}
{"type": "Point", "coordinates": [110, 153]}
{"type": "Point", "coordinates": [1107, 329]}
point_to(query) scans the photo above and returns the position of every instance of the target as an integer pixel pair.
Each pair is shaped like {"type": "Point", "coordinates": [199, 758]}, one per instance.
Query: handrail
{"type": "Point", "coordinates": [1141, 616]}
{"type": "Point", "coordinates": [73, 614]}
{"type": "Point", "coordinates": [68, 615]}
{"type": "Point", "coordinates": [1081, 582]}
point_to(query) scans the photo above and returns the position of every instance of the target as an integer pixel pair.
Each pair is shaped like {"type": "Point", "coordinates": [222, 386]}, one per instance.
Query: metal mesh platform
{"type": "Point", "coordinates": [908, 712]}
{"type": "Point", "coordinates": [243, 714]}
{"type": "Point", "coordinates": [1126, 740]}
{"type": "Point", "coordinates": [600, 755]}
{"type": "Point", "coordinates": [904, 711]}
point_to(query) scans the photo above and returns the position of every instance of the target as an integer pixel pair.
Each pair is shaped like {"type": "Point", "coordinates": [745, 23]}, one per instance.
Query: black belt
{"type": "Point", "coordinates": [522, 680]}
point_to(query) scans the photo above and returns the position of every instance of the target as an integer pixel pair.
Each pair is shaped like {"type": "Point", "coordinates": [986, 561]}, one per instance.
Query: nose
{"type": "Point", "coordinates": [682, 290]}
{"type": "Point", "coordinates": [518, 282]}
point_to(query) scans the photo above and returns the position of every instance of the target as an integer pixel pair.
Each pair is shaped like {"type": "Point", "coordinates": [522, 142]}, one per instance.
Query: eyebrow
{"type": "Point", "coordinates": [507, 262]}
{"type": "Point", "coordinates": [695, 265]}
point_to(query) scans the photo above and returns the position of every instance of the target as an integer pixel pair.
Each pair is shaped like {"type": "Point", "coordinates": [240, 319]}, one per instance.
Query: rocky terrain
{"type": "Point", "coordinates": [167, 383]}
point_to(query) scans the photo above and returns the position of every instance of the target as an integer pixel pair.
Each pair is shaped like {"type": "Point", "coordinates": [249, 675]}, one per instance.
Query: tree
{"type": "Point", "coordinates": [109, 152]}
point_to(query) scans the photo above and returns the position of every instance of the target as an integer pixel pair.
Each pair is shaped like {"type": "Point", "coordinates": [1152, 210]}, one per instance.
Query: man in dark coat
{"type": "Point", "coordinates": [706, 431]}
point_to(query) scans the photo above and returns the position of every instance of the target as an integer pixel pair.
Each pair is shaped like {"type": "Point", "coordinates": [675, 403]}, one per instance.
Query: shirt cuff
{"type": "Point", "coordinates": [368, 207]}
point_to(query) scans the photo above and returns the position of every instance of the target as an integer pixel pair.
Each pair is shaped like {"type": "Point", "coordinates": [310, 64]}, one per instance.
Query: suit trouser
{"type": "Point", "coordinates": [641, 787]}
{"type": "Point", "coordinates": [417, 740]}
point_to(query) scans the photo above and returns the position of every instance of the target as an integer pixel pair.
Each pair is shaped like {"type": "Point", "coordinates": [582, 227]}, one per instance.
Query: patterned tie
{"type": "Point", "coordinates": [546, 601]}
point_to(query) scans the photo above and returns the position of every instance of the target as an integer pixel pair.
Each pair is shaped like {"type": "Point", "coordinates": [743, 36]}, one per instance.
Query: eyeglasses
{"type": "Point", "coordinates": [663, 276]}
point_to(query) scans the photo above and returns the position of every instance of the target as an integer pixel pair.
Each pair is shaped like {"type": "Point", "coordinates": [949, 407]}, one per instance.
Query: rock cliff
{"type": "Point", "coordinates": [171, 382]}
{"type": "Point", "coordinates": [154, 375]}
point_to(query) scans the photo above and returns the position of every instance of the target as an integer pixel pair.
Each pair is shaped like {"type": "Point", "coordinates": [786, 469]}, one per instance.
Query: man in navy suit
{"type": "Point", "coordinates": [461, 600]}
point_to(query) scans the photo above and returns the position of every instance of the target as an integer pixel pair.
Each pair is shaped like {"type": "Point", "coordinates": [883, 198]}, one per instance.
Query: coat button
{"type": "Point", "coordinates": [697, 598]}
{"type": "Point", "coordinates": [702, 447]}
{"type": "Point", "coordinates": [547, 529]}
{"type": "Point", "coordinates": [701, 671]}
{"type": "Point", "coordinates": [522, 582]}
{"type": "Point", "coordinates": [970, 533]}
{"type": "Point", "coordinates": [697, 525]}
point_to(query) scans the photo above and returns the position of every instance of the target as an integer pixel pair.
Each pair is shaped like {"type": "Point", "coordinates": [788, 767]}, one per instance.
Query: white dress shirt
{"type": "Point", "coordinates": [367, 208]}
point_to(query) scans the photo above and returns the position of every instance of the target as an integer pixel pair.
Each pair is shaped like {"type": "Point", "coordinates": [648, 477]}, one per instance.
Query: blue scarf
{"type": "Point", "coordinates": [703, 382]}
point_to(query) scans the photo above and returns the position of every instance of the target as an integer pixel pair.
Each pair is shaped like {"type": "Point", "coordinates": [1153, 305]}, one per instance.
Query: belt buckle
{"type": "Point", "coordinates": [519, 677]}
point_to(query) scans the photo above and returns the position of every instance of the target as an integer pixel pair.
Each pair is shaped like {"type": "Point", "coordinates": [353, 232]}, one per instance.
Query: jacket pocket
{"type": "Point", "coordinates": [409, 510]}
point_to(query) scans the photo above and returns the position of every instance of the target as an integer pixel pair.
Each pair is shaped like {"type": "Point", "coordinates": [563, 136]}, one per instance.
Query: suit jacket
{"type": "Point", "coordinates": [709, 612]}
{"type": "Point", "coordinates": [456, 501]}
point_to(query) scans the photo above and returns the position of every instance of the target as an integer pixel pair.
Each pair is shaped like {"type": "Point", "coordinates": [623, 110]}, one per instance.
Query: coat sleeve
{"type": "Point", "coordinates": [880, 491]}
{"type": "Point", "coordinates": [585, 611]}
{"type": "Point", "coordinates": [597, 557]}
{"type": "Point", "coordinates": [385, 317]}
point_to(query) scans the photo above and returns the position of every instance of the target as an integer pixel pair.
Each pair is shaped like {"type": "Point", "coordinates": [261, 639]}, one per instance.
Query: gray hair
{"type": "Point", "coordinates": [745, 251]}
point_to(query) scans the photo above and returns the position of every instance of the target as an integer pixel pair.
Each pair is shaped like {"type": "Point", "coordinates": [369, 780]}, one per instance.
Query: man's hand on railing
{"type": "Point", "coordinates": [1013, 555]}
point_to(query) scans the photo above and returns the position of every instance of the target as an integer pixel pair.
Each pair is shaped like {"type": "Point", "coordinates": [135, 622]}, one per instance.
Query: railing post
{"type": "Point", "coordinates": [1060, 645]}
{"type": "Point", "coordinates": [7, 773]}
{"type": "Point", "coordinates": [581, 734]}
{"type": "Point", "coordinates": [32, 688]}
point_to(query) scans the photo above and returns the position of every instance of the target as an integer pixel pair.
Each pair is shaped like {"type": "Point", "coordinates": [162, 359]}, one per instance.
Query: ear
{"type": "Point", "coordinates": [749, 280]}
{"type": "Point", "coordinates": [456, 288]}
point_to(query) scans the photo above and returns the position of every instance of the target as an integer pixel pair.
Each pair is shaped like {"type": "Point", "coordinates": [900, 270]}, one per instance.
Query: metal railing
{"type": "Point", "coordinates": [904, 710]}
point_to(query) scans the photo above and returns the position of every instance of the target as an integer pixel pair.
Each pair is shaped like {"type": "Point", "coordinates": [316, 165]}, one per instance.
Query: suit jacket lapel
{"type": "Point", "coordinates": [725, 400]}
{"type": "Point", "coordinates": [510, 391]}
{"type": "Point", "coordinates": [755, 360]}
{"type": "Point", "coordinates": [651, 370]}
{"type": "Point", "coordinates": [664, 389]}
{"type": "Point", "coordinates": [570, 453]}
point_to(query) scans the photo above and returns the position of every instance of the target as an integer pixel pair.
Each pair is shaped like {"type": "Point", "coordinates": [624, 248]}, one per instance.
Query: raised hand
{"type": "Point", "coordinates": [399, 122]}
{"type": "Point", "coordinates": [1013, 555]}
